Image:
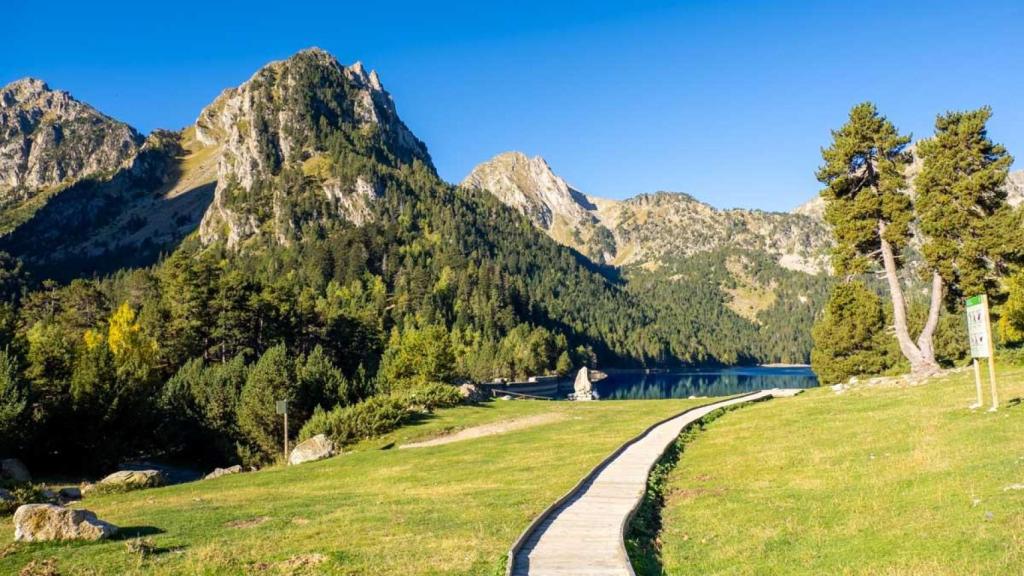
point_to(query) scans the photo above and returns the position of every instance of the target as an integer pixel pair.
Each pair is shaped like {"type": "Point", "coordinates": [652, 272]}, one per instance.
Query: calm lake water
{"type": "Point", "coordinates": [702, 382]}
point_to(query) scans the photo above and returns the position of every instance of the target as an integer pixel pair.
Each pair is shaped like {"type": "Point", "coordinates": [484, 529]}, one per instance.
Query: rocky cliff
{"type": "Point", "coordinates": [648, 229]}
{"type": "Point", "coordinates": [297, 118]}
{"type": "Point", "coordinates": [531, 187]}
{"type": "Point", "coordinates": [47, 138]}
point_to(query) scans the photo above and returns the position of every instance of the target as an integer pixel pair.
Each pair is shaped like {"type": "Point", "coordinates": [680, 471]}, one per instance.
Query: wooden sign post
{"type": "Point", "coordinates": [979, 330]}
{"type": "Point", "coordinates": [282, 408]}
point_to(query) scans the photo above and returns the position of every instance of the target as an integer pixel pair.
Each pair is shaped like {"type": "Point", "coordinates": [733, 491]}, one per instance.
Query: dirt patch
{"type": "Point", "coordinates": [488, 430]}
{"type": "Point", "coordinates": [302, 561]}
{"type": "Point", "coordinates": [248, 523]}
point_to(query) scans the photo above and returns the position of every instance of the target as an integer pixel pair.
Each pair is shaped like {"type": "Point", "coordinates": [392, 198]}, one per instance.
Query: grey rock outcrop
{"type": "Point", "coordinates": [47, 138]}
{"type": "Point", "coordinates": [13, 470]}
{"type": "Point", "coordinates": [583, 388]}
{"type": "Point", "coordinates": [471, 393]}
{"type": "Point", "coordinates": [647, 229]}
{"type": "Point", "coordinates": [531, 187]}
{"type": "Point", "coordinates": [45, 522]}
{"type": "Point", "coordinates": [316, 448]}
{"type": "Point", "coordinates": [218, 472]}
{"type": "Point", "coordinates": [133, 479]}
{"type": "Point", "coordinates": [279, 119]}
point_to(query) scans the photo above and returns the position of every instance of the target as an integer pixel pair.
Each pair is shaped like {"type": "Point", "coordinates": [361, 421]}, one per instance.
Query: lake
{"type": "Point", "coordinates": [684, 383]}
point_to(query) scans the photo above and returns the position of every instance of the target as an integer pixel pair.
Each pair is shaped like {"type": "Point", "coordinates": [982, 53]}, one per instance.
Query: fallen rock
{"type": "Point", "coordinates": [44, 522]}
{"type": "Point", "coordinates": [12, 469]}
{"type": "Point", "coordinates": [472, 394]}
{"type": "Point", "coordinates": [1014, 487]}
{"type": "Point", "coordinates": [133, 479]}
{"type": "Point", "coordinates": [218, 472]}
{"type": "Point", "coordinates": [316, 448]}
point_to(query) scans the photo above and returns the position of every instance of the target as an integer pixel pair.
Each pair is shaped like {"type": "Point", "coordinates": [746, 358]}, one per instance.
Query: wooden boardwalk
{"type": "Point", "coordinates": [582, 535]}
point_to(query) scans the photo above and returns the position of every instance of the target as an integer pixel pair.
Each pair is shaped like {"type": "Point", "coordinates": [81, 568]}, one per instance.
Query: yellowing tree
{"type": "Point", "coordinates": [133, 350]}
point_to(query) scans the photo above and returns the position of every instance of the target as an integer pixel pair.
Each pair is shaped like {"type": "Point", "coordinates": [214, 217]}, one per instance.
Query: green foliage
{"type": "Point", "coordinates": [13, 400]}
{"type": "Point", "coordinates": [863, 172]}
{"type": "Point", "coordinates": [1011, 320]}
{"type": "Point", "coordinates": [345, 425]}
{"type": "Point", "coordinates": [429, 396]}
{"type": "Point", "coordinates": [415, 356]}
{"type": "Point", "coordinates": [960, 202]}
{"type": "Point", "coordinates": [850, 337]}
{"type": "Point", "coordinates": [270, 379]}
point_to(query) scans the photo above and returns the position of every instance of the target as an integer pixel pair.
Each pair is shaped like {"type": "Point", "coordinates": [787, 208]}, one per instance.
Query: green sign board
{"type": "Point", "coordinates": [978, 330]}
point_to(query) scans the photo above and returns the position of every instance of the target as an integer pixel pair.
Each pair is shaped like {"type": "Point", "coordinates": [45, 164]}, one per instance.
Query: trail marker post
{"type": "Point", "coordinates": [282, 408]}
{"type": "Point", "coordinates": [979, 330]}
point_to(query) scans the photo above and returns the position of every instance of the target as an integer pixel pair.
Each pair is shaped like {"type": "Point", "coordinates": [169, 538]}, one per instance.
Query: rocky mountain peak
{"type": "Point", "coordinates": [297, 114]}
{"type": "Point", "coordinates": [530, 186]}
{"type": "Point", "coordinates": [47, 137]}
{"type": "Point", "coordinates": [647, 229]}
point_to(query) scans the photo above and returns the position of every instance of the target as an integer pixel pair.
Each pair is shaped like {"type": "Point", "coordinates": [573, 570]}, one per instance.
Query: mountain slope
{"type": "Point", "coordinates": [47, 139]}
{"type": "Point", "coordinates": [648, 229]}
{"type": "Point", "coordinates": [308, 112]}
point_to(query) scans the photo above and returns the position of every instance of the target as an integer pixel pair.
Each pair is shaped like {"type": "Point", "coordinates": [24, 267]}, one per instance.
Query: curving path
{"type": "Point", "coordinates": [582, 534]}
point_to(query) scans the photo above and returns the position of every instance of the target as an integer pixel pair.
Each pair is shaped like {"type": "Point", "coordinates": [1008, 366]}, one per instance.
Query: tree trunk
{"type": "Point", "coordinates": [925, 339]}
{"type": "Point", "coordinates": [918, 363]}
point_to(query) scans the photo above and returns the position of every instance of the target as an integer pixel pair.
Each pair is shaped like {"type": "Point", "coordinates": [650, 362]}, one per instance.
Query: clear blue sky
{"type": "Point", "coordinates": [728, 101]}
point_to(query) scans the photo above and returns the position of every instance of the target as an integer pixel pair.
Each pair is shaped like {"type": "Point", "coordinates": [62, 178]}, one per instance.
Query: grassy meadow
{"type": "Point", "coordinates": [451, 509]}
{"type": "Point", "coordinates": [877, 480]}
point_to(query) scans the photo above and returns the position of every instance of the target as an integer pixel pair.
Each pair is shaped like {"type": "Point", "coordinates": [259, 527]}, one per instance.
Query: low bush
{"type": "Point", "coordinates": [368, 419]}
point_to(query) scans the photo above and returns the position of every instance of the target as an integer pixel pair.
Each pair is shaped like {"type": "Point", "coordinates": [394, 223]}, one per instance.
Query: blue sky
{"type": "Point", "coordinates": [728, 101]}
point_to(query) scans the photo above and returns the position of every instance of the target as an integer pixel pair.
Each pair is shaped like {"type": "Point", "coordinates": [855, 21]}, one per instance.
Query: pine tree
{"type": "Point", "coordinates": [849, 338]}
{"type": "Point", "coordinates": [272, 378]}
{"type": "Point", "coordinates": [958, 193]}
{"type": "Point", "coordinates": [869, 211]}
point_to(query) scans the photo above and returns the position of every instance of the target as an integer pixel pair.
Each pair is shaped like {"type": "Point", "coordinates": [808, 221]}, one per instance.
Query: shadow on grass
{"type": "Point", "coordinates": [129, 532]}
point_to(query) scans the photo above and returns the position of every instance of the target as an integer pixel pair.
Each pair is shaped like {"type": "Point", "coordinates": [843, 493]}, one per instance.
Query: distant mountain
{"type": "Point", "coordinates": [49, 139]}
{"type": "Point", "coordinates": [282, 118]}
{"type": "Point", "coordinates": [648, 229]}
{"type": "Point", "coordinates": [531, 187]}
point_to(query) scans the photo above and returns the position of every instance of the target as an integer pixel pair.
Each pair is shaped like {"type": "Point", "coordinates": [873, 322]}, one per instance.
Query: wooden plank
{"type": "Point", "coordinates": [583, 534]}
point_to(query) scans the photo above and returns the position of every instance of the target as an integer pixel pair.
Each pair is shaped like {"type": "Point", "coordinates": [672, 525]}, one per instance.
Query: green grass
{"type": "Point", "coordinates": [451, 509]}
{"type": "Point", "coordinates": [877, 480]}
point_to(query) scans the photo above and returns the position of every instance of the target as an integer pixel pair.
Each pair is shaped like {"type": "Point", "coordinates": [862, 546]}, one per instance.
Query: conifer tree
{"type": "Point", "coordinates": [959, 192]}
{"type": "Point", "coordinates": [869, 211]}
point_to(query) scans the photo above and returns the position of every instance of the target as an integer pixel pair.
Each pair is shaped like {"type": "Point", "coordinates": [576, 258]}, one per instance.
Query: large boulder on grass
{"type": "Point", "coordinates": [316, 448]}
{"type": "Point", "coordinates": [133, 480]}
{"type": "Point", "coordinates": [583, 389]}
{"type": "Point", "coordinates": [45, 522]}
{"type": "Point", "coordinates": [13, 470]}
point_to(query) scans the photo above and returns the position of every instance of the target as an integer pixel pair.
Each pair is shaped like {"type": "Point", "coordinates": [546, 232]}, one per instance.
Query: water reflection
{"type": "Point", "coordinates": [715, 382]}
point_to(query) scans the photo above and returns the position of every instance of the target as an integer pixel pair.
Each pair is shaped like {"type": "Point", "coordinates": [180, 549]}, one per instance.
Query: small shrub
{"type": "Point", "coordinates": [429, 397]}
{"type": "Point", "coordinates": [368, 419]}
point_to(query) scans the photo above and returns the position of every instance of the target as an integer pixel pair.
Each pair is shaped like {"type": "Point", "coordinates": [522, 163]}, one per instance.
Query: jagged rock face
{"type": "Point", "coordinates": [654, 227]}
{"type": "Point", "coordinates": [531, 187]}
{"type": "Point", "coordinates": [649, 228]}
{"type": "Point", "coordinates": [288, 116]}
{"type": "Point", "coordinates": [47, 138]}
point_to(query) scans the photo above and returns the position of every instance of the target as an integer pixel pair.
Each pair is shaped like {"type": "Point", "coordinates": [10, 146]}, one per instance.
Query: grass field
{"type": "Point", "coordinates": [452, 509]}
{"type": "Point", "coordinates": [876, 480]}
